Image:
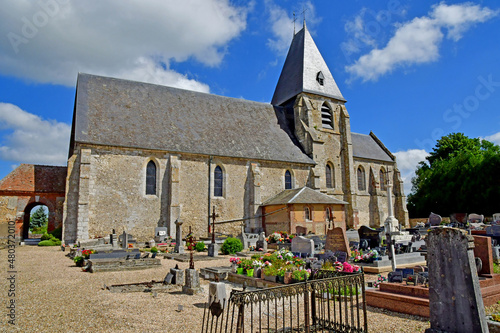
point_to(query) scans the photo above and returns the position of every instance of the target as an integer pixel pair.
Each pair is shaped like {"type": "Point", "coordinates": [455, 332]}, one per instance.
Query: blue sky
{"type": "Point", "coordinates": [411, 71]}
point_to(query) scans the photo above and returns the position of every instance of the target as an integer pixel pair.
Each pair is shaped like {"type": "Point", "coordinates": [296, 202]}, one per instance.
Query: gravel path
{"type": "Point", "coordinates": [53, 295]}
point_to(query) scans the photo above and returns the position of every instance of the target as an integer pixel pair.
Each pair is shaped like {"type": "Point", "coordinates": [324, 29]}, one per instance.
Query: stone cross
{"type": "Point", "coordinates": [179, 246]}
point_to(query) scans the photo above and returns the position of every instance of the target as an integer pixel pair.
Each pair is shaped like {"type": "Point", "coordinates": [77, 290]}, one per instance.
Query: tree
{"type": "Point", "coordinates": [38, 218]}
{"type": "Point", "coordinates": [459, 175]}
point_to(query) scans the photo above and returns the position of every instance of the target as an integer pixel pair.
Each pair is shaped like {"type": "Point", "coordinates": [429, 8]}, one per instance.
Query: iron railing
{"type": "Point", "coordinates": [329, 302]}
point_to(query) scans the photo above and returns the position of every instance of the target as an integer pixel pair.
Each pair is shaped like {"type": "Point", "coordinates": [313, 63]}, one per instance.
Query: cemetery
{"type": "Point", "coordinates": [401, 271]}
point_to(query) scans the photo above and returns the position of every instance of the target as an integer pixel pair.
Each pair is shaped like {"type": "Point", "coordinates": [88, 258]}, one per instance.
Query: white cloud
{"type": "Point", "coordinates": [495, 138]}
{"type": "Point", "coordinates": [407, 164]}
{"type": "Point", "coordinates": [282, 24]}
{"type": "Point", "coordinates": [31, 139]}
{"type": "Point", "coordinates": [418, 40]}
{"type": "Point", "coordinates": [49, 41]}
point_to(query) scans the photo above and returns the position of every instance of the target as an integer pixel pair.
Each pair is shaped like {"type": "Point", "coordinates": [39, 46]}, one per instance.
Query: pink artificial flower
{"type": "Point", "coordinates": [347, 267]}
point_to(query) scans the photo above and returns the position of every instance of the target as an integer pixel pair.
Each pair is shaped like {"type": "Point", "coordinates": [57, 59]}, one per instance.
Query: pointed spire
{"type": "Point", "coordinates": [305, 70]}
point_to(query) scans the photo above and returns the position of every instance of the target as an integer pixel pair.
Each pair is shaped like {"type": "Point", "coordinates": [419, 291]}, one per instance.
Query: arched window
{"type": "Point", "coordinates": [330, 176]}
{"type": "Point", "coordinates": [361, 179]}
{"type": "Point", "coordinates": [151, 178]}
{"type": "Point", "coordinates": [288, 180]}
{"type": "Point", "coordinates": [326, 117]}
{"type": "Point", "coordinates": [307, 214]}
{"type": "Point", "coordinates": [218, 181]}
{"type": "Point", "coordinates": [383, 181]}
{"type": "Point", "coordinates": [328, 214]}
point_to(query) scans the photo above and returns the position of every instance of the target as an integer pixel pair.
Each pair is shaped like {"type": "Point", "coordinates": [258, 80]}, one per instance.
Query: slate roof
{"type": "Point", "coordinates": [370, 147]}
{"type": "Point", "coordinates": [303, 195]}
{"type": "Point", "coordinates": [124, 113]}
{"type": "Point", "coordinates": [302, 64]}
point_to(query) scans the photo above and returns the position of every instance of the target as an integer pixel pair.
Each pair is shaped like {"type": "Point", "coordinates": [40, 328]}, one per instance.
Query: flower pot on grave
{"type": "Point", "coordinates": [281, 278]}
{"type": "Point", "coordinates": [234, 268]}
{"type": "Point", "coordinates": [250, 272]}
{"type": "Point", "coordinates": [239, 270]}
{"type": "Point", "coordinates": [287, 278]}
{"type": "Point", "coordinates": [257, 272]}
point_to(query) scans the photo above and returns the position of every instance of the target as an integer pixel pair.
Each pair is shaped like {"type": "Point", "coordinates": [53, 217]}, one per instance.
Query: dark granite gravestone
{"type": "Point", "coordinates": [341, 256]}
{"type": "Point", "coordinates": [395, 277]}
{"type": "Point", "coordinates": [371, 235]}
{"type": "Point", "coordinates": [336, 240]}
{"type": "Point", "coordinates": [406, 271]}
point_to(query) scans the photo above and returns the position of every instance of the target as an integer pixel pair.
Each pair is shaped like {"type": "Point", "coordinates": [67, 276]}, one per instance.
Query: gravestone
{"type": "Point", "coordinates": [496, 217]}
{"type": "Point", "coordinates": [435, 219]}
{"type": "Point", "coordinates": [475, 218]}
{"type": "Point", "coordinates": [178, 275]}
{"type": "Point", "coordinates": [406, 271]}
{"type": "Point", "coordinates": [261, 243]}
{"type": "Point", "coordinates": [169, 278]}
{"type": "Point", "coordinates": [124, 240]}
{"type": "Point", "coordinates": [192, 285]}
{"type": "Point", "coordinates": [300, 231]}
{"type": "Point", "coordinates": [161, 234]}
{"type": "Point", "coordinates": [341, 256]}
{"type": "Point", "coordinates": [395, 277]}
{"type": "Point", "coordinates": [495, 250]}
{"type": "Point", "coordinates": [302, 245]}
{"type": "Point", "coordinates": [457, 306]}
{"type": "Point", "coordinates": [459, 218]}
{"type": "Point", "coordinates": [336, 240]}
{"type": "Point", "coordinates": [113, 240]}
{"type": "Point", "coordinates": [371, 235]}
{"type": "Point", "coordinates": [483, 250]}
{"type": "Point", "coordinates": [217, 297]}
{"type": "Point", "coordinates": [179, 245]}
{"type": "Point", "coordinates": [118, 254]}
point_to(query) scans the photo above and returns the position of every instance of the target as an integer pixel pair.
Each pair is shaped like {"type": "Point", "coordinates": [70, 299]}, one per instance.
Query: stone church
{"type": "Point", "coordinates": [144, 155]}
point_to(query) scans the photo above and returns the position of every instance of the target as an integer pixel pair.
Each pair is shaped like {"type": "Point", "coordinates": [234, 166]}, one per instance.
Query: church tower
{"type": "Point", "coordinates": [314, 108]}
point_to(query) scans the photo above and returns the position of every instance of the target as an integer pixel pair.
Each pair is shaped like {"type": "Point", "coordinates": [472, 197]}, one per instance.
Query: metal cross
{"type": "Point", "coordinates": [294, 19]}
{"type": "Point", "coordinates": [304, 13]}
{"type": "Point", "coordinates": [213, 216]}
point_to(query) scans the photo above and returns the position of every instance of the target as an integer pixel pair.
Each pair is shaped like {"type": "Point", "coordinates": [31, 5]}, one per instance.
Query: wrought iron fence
{"type": "Point", "coordinates": [330, 302]}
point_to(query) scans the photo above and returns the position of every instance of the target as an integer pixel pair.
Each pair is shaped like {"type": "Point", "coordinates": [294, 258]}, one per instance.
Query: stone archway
{"type": "Point", "coordinates": [27, 212]}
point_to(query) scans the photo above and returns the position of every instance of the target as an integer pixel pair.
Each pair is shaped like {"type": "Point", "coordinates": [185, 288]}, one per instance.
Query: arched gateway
{"type": "Point", "coordinates": [29, 186]}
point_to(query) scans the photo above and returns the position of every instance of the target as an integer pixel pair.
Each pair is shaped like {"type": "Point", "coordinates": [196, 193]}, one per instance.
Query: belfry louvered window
{"type": "Point", "coordinates": [326, 117]}
{"type": "Point", "coordinates": [218, 181]}
{"type": "Point", "coordinates": [151, 178]}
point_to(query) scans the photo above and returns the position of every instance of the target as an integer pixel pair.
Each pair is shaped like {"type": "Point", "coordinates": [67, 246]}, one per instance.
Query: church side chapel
{"type": "Point", "coordinates": [143, 156]}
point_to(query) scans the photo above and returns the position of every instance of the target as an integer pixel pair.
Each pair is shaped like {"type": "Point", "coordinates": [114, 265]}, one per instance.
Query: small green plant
{"type": "Point", "coordinates": [78, 260]}
{"type": "Point", "coordinates": [270, 270]}
{"type": "Point", "coordinates": [495, 317]}
{"type": "Point", "coordinates": [231, 245]}
{"type": "Point", "coordinates": [300, 275]}
{"type": "Point", "coordinates": [154, 249]}
{"type": "Point", "coordinates": [200, 247]}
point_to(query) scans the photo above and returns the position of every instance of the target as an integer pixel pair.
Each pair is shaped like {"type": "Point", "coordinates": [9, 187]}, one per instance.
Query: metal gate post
{"type": "Point", "coordinates": [240, 325]}
{"type": "Point", "coordinates": [307, 324]}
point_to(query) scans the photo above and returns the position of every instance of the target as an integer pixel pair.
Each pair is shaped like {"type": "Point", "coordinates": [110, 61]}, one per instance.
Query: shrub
{"type": "Point", "coordinates": [231, 245]}
{"type": "Point", "coordinates": [57, 233]}
{"type": "Point", "coordinates": [45, 236]}
{"type": "Point", "coordinates": [48, 242]}
{"type": "Point", "coordinates": [154, 249]}
{"type": "Point", "coordinates": [200, 246]}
